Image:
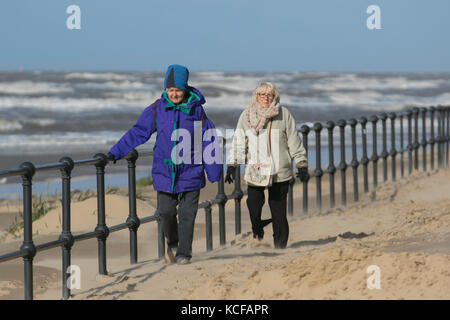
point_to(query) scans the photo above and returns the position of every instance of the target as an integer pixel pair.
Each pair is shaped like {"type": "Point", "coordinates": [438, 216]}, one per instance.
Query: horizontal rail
{"type": "Point", "coordinates": [118, 227]}
{"type": "Point", "coordinates": [149, 219]}
{"type": "Point", "coordinates": [51, 245]}
{"type": "Point", "coordinates": [13, 172]}
{"type": "Point", "coordinates": [87, 235]}
{"type": "Point", "coordinates": [86, 162]}
{"type": "Point", "coordinates": [59, 165]}
{"type": "Point", "coordinates": [51, 166]}
{"type": "Point", "coordinates": [13, 255]}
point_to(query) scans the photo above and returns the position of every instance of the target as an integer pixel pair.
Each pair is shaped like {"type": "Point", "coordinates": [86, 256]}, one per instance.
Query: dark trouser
{"type": "Point", "coordinates": [277, 203]}
{"type": "Point", "coordinates": [179, 234]}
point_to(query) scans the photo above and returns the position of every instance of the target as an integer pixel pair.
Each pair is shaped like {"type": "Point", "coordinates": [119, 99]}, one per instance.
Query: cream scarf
{"type": "Point", "coordinates": [257, 116]}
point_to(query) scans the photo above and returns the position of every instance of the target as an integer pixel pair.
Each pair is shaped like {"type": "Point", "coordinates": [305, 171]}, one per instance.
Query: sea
{"type": "Point", "coordinates": [45, 115]}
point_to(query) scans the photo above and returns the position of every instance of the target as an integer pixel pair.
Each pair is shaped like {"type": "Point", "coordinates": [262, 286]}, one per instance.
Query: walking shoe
{"type": "Point", "coordinates": [183, 260]}
{"type": "Point", "coordinates": [169, 257]}
{"type": "Point", "coordinates": [258, 237]}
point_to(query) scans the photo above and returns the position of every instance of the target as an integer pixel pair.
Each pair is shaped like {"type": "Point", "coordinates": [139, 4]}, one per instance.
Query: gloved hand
{"type": "Point", "coordinates": [302, 174]}
{"type": "Point", "coordinates": [111, 157]}
{"type": "Point", "coordinates": [231, 174]}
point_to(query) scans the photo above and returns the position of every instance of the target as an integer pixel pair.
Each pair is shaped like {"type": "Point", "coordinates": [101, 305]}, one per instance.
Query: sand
{"type": "Point", "coordinates": [405, 232]}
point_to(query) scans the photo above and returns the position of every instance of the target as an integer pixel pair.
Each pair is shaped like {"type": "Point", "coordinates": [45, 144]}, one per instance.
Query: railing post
{"type": "Point", "coordinates": [442, 137]}
{"type": "Point", "coordinates": [410, 144]}
{"type": "Point", "coordinates": [304, 129]}
{"type": "Point", "coordinates": [364, 158]}
{"type": "Point", "coordinates": [374, 157]}
{"type": "Point", "coordinates": [343, 165]}
{"type": "Point", "coordinates": [354, 162]}
{"type": "Point", "coordinates": [402, 150]}
{"type": "Point", "coordinates": [101, 225]}
{"type": "Point", "coordinates": [237, 200]}
{"type": "Point", "coordinates": [222, 199]}
{"type": "Point", "coordinates": [432, 140]}
{"type": "Point", "coordinates": [318, 173]}
{"type": "Point", "coordinates": [443, 140]}
{"type": "Point", "coordinates": [331, 170]}
{"type": "Point", "coordinates": [133, 221]}
{"type": "Point", "coordinates": [66, 233]}
{"type": "Point", "coordinates": [447, 136]}
{"type": "Point", "coordinates": [423, 143]}
{"type": "Point", "coordinates": [384, 154]}
{"type": "Point", "coordinates": [28, 244]}
{"type": "Point", "coordinates": [416, 145]}
{"type": "Point", "coordinates": [208, 228]}
{"type": "Point", "coordinates": [392, 116]}
{"type": "Point", "coordinates": [439, 137]}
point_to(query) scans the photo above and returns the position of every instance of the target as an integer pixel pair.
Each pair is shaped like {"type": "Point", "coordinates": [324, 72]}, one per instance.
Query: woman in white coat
{"type": "Point", "coordinates": [266, 141]}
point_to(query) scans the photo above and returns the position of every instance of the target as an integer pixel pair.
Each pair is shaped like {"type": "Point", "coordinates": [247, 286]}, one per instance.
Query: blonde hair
{"type": "Point", "coordinates": [263, 87]}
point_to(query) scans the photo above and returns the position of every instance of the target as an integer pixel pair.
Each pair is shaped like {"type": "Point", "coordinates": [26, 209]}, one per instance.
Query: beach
{"type": "Point", "coordinates": [405, 233]}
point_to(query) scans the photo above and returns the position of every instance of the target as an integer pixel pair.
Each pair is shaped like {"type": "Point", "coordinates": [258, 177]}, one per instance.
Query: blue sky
{"type": "Point", "coordinates": [232, 35]}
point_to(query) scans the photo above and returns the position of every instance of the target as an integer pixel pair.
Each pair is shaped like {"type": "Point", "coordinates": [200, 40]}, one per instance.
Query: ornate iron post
{"type": "Point", "coordinates": [66, 233]}
{"type": "Point", "coordinates": [28, 245]}
{"type": "Point", "coordinates": [101, 225]}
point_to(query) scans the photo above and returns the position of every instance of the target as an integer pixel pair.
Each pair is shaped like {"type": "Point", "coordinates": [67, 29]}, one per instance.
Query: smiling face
{"type": "Point", "coordinates": [265, 97]}
{"type": "Point", "coordinates": [175, 95]}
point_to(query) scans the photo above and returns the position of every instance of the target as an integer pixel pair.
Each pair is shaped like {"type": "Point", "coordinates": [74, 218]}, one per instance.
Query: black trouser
{"type": "Point", "coordinates": [179, 235]}
{"type": "Point", "coordinates": [277, 204]}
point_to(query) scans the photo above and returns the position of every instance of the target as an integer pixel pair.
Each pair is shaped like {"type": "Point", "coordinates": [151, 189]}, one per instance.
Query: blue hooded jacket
{"type": "Point", "coordinates": [172, 122]}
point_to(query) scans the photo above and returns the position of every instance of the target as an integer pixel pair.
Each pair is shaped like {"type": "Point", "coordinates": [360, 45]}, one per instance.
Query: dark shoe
{"type": "Point", "coordinates": [183, 260]}
{"type": "Point", "coordinates": [258, 237]}
{"type": "Point", "coordinates": [169, 257]}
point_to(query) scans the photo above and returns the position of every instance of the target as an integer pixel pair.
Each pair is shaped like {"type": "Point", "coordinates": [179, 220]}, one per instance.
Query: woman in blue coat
{"type": "Point", "coordinates": [185, 148]}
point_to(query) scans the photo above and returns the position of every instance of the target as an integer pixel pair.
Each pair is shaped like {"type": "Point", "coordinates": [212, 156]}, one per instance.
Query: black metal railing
{"type": "Point", "coordinates": [431, 118]}
{"type": "Point", "coordinates": [66, 241]}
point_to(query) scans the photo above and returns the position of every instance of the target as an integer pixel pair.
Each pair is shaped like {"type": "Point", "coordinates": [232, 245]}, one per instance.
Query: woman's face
{"type": "Point", "coordinates": [175, 95]}
{"type": "Point", "coordinates": [264, 98]}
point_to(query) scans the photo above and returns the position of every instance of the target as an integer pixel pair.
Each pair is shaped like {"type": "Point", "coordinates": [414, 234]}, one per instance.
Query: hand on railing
{"type": "Point", "coordinates": [302, 174]}
{"type": "Point", "coordinates": [231, 174]}
{"type": "Point", "coordinates": [111, 157]}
